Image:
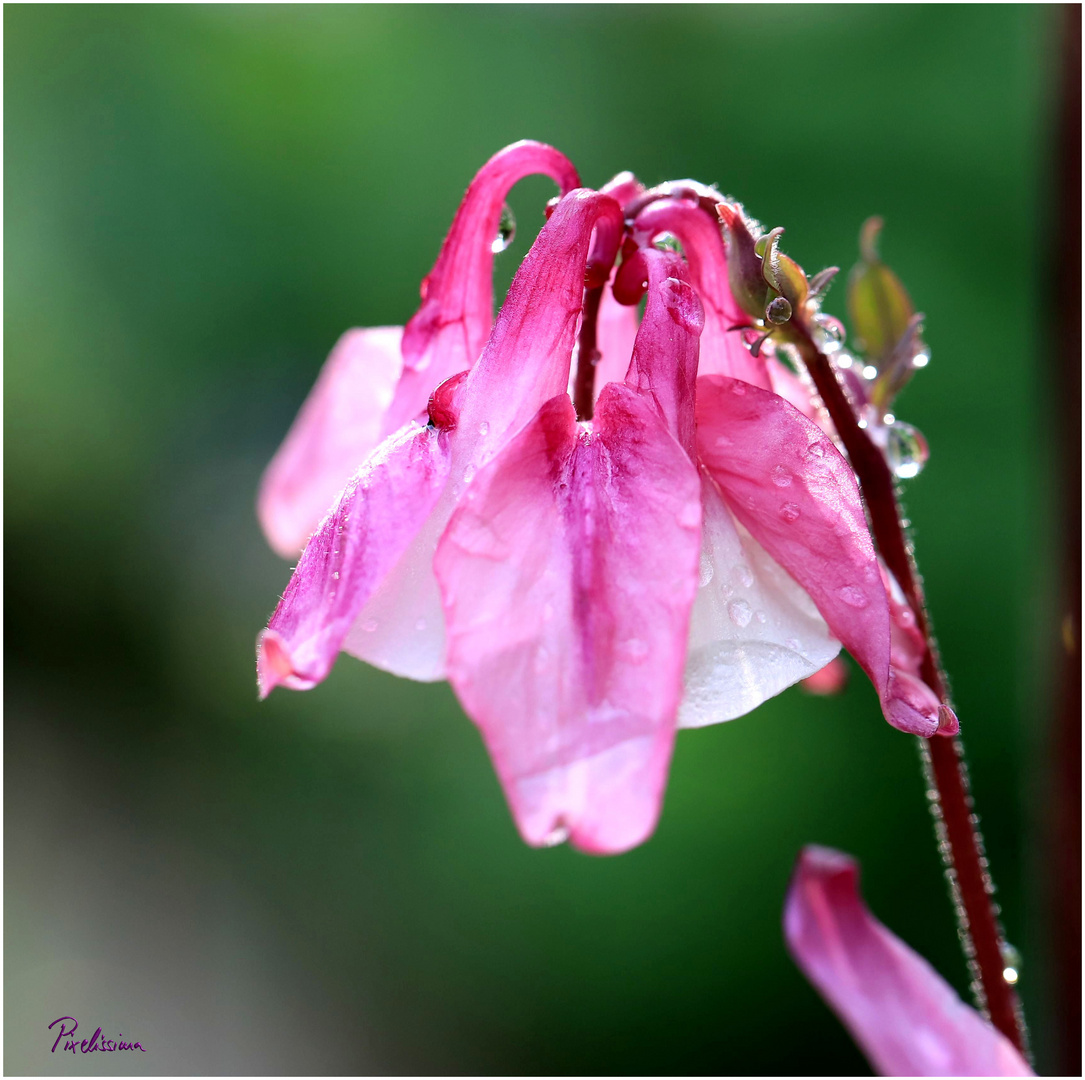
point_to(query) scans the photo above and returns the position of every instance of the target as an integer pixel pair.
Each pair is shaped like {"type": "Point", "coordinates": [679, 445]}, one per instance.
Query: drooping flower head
{"type": "Point", "coordinates": [688, 545]}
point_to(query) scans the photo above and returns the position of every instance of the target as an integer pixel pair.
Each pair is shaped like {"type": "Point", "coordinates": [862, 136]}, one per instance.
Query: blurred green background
{"type": "Point", "coordinates": [198, 200]}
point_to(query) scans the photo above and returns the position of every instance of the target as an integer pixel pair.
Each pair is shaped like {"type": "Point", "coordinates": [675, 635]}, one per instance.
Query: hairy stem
{"type": "Point", "coordinates": [968, 866]}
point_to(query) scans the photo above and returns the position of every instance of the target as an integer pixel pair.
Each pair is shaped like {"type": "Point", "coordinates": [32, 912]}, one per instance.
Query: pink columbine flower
{"type": "Point", "coordinates": [590, 585]}
{"type": "Point", "coordinates": [902, 1013]}
{"type": "Point", "coordinates": [378, 379]}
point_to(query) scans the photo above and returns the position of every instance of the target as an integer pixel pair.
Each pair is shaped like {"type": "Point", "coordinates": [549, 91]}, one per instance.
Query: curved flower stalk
{"type": "Point", "coordinates": [904, 1016]}
{"type": "Point", "coordinates": [378, 379]}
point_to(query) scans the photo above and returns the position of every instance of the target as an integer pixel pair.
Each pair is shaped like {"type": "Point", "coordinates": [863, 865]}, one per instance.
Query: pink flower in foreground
{"type": "Point", "coordinates": [904, 1016]}
{"type": "Point", "coordinates": [378, 379]}
{"type": "Point", "coordinates": [590, 585]}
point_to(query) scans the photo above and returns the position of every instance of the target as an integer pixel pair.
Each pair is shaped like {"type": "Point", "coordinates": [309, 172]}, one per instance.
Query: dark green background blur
{"type": "Point", "coordinates": [198, 201]}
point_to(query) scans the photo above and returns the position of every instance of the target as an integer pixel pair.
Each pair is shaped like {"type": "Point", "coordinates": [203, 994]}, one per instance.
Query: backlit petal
{"type": "Point", "coordinates": [357, 545]}
{"type": "Point", "coordinates": [754, 631]}
{"type": "Point", "coordinates": [902, 1013]}
{"type": "Point", "coordinates": [337, 427]}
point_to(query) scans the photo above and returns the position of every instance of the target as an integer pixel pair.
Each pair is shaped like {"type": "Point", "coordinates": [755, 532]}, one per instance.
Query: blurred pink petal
{"type": "Point", "coordinates": [377, 380]}
{"type": "Point", "coordinates": [567, 575]}
{"type": "Point", "coordinates": [790, 487]}
{"type": "Point", "coordinates": [904, 1016]}
{"type": "Point", "coordinates": [829, 680]}
{"type": "Point", "coordinates": [342, 417]}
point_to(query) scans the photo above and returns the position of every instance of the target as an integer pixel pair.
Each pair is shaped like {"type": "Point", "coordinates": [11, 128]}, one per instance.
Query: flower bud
{"type": "Point", "coordinates": [878, 303]}
{"type": "Point", "coordinates": [743, 263]}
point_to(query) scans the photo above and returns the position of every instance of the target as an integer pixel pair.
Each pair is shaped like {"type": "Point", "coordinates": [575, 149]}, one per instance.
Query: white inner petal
{"type": "Point", "coordinates": [753, 631]}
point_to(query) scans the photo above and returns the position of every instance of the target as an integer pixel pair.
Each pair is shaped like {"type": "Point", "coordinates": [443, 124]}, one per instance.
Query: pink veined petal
{"type": "Point", "coordinates": [357, 545]}
{"type": "Point", "coordinates": [567, 578]}
{"type": "Point", "coordinates": [336, 428]}
{"type": "Point", "coordinates": [722, 350]}
{"type": "Point", "coordinates": [617, 330]}
{"type": "Point", "coordinates": [789, 486]}
{"type": "Point", "coordinates": [904, 1016]}
{"type": "Point", "coordinates": [447, 333]}
{"type": "Point", "coordinates": [754, 631]}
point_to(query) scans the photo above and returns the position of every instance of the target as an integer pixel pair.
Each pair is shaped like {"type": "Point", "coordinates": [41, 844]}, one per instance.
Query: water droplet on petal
{"type": "Point", "coordinates": [740, 613]}
{"type": "Point", "coordinates": [369, 625]}
{"type": "Point", "coordinates": [484, 429]}
{"type": "Point", "coordinates": [906, 450]}
{"type": "Point", "coordinates": [781, 477]}
{"type": "Point", "coordinates": [815, 451]}
{"type": "Point", "coordinates": [870, 372]}
{"type": "Point", "coordinates": [853, 597]}
{"type": "Point", "coordinates": [760, 616]}
{"type": "Point", "coordinates": [335, 575]}
{"type": "Point", "coordinates": [706, 570]}
{"type": "Point", "coordinates": [742, 575]}
{"type": "Point", "coordinates": [790, 512]}
{"type": "Point", "coordinates": [738, 387]}
{"type": "Point", "coordinates": [506, 230]}
{"type": "Point", "coordinates": [469, 474]}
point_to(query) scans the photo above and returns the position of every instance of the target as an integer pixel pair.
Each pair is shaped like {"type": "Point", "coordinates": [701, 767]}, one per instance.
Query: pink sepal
{"type": "Point", "coordinates": [567, 576]}
{"type": "Point", "coordinates": [791, 488]}
{"type": "Point", "coordinates": [336, 428]}
{"type": "Point", "coordinates": [904, 1016]}
{"type": "Point", "coordinates": [360, 541]}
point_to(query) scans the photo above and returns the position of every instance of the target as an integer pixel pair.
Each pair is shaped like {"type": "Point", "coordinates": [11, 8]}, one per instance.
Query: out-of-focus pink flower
{"type": "Point", "coordinates": [378, 379]}
{"type": "Point", "coordinates": [829, 680]}
{"type": "Point", "coordinates": [904, 1016]}
{"type": "Point", "coordinates": [590, 585]}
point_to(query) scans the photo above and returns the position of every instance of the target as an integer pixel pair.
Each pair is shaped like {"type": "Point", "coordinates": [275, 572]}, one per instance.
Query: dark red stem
{"type": "Point", "coordinates": [587, 355]}
{"type": "Point", "coordinates": [947, 763]}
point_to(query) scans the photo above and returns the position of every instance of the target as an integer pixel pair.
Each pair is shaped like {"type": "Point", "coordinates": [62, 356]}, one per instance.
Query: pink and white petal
{"type": "Point", "coordinates": [567, 576]}
{"type": "Point", "coordinates": [337, 427]}
{"type": "Point", "coordinates": [357, 545]}
{"type": "Point", "coordinates": [753, 632]}
{"type": "Point", "coordinates": [447, 333]}
{"type": "Point", "coordinates": [902, 1013]}
{"type": "Point", "coordinates": [617, 330]}
{"type": "Point", "coordinates": [786, 482]}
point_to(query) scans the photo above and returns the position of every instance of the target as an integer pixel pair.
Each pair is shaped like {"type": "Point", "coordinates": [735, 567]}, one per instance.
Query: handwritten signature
{"type": "Point", "coordinates": [86, 1046]}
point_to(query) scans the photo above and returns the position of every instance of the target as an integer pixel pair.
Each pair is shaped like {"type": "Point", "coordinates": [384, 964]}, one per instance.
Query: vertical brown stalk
{"type": "Point", "coordinates": [968, 865]}
{"type": "Point", "coordinates": [587, 355]}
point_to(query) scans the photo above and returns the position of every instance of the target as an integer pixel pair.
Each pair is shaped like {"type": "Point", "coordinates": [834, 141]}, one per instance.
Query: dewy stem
{"type": "Point", "coordinates": [966, 863]}
{"type": "Point", "coordinates": [587, 354]}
